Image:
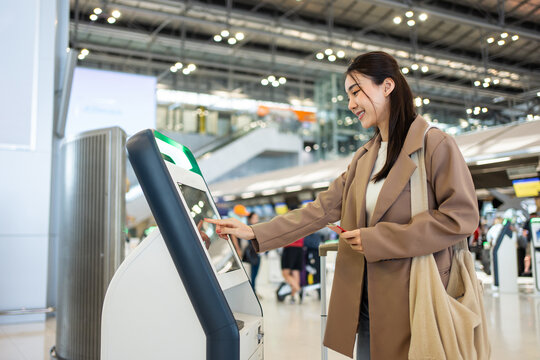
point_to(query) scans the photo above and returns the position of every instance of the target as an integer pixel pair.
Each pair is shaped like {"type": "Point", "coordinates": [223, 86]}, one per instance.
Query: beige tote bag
{"type": "Point", "coordinates": [445, 324]}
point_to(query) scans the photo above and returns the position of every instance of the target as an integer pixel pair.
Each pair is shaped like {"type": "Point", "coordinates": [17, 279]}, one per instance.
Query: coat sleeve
{"type": "Point", "coordinates": [428, 232]}
{"type": "Point", "coordinates": [284, 229]}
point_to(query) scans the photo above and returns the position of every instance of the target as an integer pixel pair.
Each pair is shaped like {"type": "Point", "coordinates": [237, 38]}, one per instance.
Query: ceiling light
{"type": "Point", "coordinates": [173, 69]}
{"type": "Point", "coordinates": [217, 38]}
{"type": "Point", "coordinates": [111, 20]}
{"type": "Point", "coordinates": [340, 98]}
{"type": "Point", "coordinates": [426, 101]}
{"type": "Point", "coordinates": [496, 81]}
{"type": "Point", "coordinates": [397, 20]}
{"type": "Point", "coordinates": [231, 41]}
{"type": "Point", "coordinates": [332, 58]}
{"type": "Point", "coordinates": [422, 17]}
{"type": "Point", "coordinates": [224, 33]}
{"type": "Point", "coordinates": [307, 149]}
{"type": "Point", "coordinates": [485, 84]}
{"type": "Point", "coordinates": [477, 83]}
{"type": "Point", "coordinates": [85, 52]}
{"type": "Point", "coordinates": [538, 94]}
{"type": "Point", "coordinates": [340, 54]}
{"type": "Point", "coordinates": [81, 57]}
{"type": "Point", "coordinates": [418, 101]}
{"type": "Point", "coordinates": [409, 14]}
{"type": "Point", "coordinates": [515, 37]}
{"type": "Point", "coordinates": [492, 161]}
{"type": "Point", "coordinates": [414, 67]}
{"type": "Point", "coordinates": [269, 192]}
{"type": "Point", "coordinates": [490, 40]}
{"type": "Point", "coordinates": [500, 42]}
{"type": "Point", "coordinates": [487, 80]}
{"type": "Point", "coordinates": [293, 188]}
{"type": "Point", "coordinates": [411, 22]}
{"type": "Point", "coordinates": [282, 80]}
{"type": "Point", "coordinates": [504, 35]}
{"type": "Point", "coordinates": [405, 70]}
{"type": "Point", "coordinates": [116, 14]}
{"type": "Point", "coordinates": [239, 36]}
{"type": "Point", "coordinates": [275, 83]}
{"type": "Point", "coordinates": [425, 68]}
{"type": "Point", "coordinates": [469, 111]}
{"type": "Point", "coordinates": [271, 78]}
{"type": "Point", "coordinates": [178, 65]}
{"type": "Point", "coordinates": [319, 56]}
{"type": "Point", "coordinates": [264, 82]}
{"type": "Point", "coordinates": [328, 52]}
{"type": "Point", "coordinates": [186, 71]}
{"type": "Point", "coordinates": [93, 17]}
{"type": "Point", "coordinates": [98, 11]}
{"type": "Point", "coordinates": [191, 67]}
{"type": "Point", "coordinates": [484, 109]}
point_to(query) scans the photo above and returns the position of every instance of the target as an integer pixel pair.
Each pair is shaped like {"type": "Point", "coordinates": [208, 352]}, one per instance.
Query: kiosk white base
{"type": "Point", "coordinates": [147, 313]}
{"type": "Point", "coordinates": [507, 265]}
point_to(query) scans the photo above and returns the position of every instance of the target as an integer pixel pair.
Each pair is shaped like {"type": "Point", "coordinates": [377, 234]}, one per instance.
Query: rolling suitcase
{"type": "Point", "coordinates": [323, 251]}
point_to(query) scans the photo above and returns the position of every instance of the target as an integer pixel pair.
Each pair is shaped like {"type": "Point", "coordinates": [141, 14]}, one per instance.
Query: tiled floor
{"type": "Point", "coordinates": [292, 331]}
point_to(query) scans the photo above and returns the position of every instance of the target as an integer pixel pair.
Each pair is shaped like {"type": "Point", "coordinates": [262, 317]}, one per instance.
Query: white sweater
{"type": "Point", "coordinates": [373, 189]}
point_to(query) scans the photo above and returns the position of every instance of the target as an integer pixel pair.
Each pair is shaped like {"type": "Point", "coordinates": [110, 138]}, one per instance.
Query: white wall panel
{"type": "Point", "coordinates": [27, 34]}
{"type": "Point", "coordinates": [24, 274]}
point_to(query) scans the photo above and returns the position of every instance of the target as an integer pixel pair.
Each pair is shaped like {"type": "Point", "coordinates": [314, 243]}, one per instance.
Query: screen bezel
{"type": "Point", "coordinates": [183, 176]}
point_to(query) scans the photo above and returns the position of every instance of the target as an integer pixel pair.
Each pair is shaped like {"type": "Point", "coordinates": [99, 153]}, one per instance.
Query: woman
{"type": "Point", "coordinates": [373, 201]}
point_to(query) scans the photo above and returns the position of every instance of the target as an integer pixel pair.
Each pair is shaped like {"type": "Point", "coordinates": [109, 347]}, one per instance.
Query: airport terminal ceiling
{"type": "Point", "coordinates": [467, 54]}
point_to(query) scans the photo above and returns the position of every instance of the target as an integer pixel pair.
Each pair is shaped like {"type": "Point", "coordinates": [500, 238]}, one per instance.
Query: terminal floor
{"type": "Point", "coordinates": [292, 331]}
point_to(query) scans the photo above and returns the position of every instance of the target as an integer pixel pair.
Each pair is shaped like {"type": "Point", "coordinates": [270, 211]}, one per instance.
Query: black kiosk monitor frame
{"type": "Point", "coordinates": [179, 198]}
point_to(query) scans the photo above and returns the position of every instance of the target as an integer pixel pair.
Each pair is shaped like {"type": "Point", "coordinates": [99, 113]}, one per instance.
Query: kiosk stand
{"type": "Point", "coordinates": [183, 293]}
{"type": "Point", "coordinates": [535, 251]}
{"type": "Point", "coordinates": [504, 263]}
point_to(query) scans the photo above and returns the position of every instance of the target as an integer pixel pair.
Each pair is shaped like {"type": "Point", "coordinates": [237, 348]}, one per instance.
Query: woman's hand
{"type": "Point", "coordinates": [232, 227]}
{"type": "Point", "coordinates": [353, 239]}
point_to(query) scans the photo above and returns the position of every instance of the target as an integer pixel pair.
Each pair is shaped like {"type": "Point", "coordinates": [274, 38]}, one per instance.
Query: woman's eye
{"type": "Point", "coordinates": [355, 92]}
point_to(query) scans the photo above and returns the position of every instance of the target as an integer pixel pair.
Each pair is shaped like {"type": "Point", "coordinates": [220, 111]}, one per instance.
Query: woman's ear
{"type": "Point", "coordinates": [389, 86]}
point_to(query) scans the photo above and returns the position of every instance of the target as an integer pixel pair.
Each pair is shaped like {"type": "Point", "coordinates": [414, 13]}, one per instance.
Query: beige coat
{"type": "Point", "coordinates": [389, 241]}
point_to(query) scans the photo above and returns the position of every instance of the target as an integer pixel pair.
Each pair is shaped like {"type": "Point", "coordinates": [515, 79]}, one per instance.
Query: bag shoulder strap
{"type": "Point", "coordinates": [419, 191]}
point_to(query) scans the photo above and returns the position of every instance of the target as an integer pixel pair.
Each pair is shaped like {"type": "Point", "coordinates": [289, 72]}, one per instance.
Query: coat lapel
{"type": "Point", "coordinates": [401, 172]}
{"type": "Point", "coordinates": [363, 173]}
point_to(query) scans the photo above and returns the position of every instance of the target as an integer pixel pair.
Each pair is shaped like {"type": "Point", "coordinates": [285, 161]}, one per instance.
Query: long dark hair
{"type": "Point", "coordinates": [378, 66]}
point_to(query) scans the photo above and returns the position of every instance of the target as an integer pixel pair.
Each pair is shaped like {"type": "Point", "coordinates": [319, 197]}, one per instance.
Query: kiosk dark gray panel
{"type": "Point", "coordinates": [185, 248]}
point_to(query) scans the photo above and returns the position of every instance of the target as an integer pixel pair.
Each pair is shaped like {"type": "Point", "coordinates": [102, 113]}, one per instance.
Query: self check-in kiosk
{"type": "Point", "coordinates": [535, 251]}
{"type": "Point", "coordinates": [504, 263]}
{"type": "Point", "coordinates": [182, 293]}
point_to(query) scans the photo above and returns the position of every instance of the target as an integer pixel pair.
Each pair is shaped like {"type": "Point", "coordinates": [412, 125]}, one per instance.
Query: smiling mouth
{"type": "Point", "coordinates": [360, 114]}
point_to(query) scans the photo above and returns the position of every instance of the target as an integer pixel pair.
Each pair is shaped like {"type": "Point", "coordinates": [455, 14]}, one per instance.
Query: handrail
{"type": "Point", "coordinates": [25, 311]}
{"type": "Point", "coordinates": [326, 247]}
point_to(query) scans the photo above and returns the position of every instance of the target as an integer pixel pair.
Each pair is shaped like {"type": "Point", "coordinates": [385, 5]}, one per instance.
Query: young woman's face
{"type": "Point", "coordinates": [368, 101]}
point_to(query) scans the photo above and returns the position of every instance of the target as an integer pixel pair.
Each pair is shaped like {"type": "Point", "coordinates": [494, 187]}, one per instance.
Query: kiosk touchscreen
{"type": "Point", "coordinates": [182, 293]}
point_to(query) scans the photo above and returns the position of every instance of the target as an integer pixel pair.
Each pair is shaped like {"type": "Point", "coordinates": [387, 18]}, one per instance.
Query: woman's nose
{"type": "Point", "coordinates": [352, 105]}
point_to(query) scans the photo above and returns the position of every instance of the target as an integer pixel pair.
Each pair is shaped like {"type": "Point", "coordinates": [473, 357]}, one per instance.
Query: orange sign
{"type": "Point", "coordinates": [302, 116]}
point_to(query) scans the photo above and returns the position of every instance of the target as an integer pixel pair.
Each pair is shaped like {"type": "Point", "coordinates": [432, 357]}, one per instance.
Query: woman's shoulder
{"type": "Point", "coordinates": [435, 137]}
